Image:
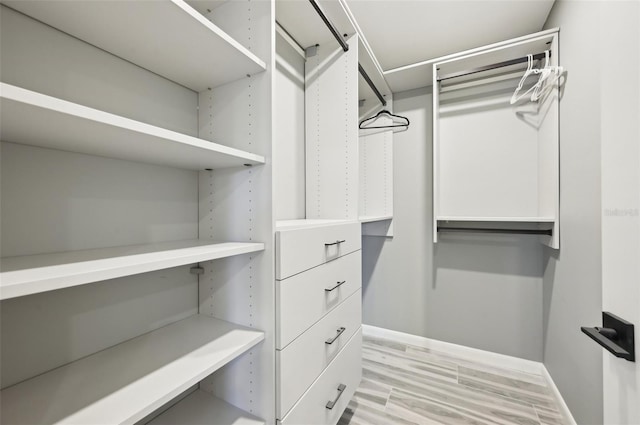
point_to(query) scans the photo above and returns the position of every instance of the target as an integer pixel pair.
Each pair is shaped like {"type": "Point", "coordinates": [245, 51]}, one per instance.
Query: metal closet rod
{"type": "Point", "coordinates": [547, 232]}
{"type": "Point", "coordinates": [373, 86]}
{"type": "Point", "coordinates": [471, 71]}
{"type": "Point", "coordinates": [345, 47]}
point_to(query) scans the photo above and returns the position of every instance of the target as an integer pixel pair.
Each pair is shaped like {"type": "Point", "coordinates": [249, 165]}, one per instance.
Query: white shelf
{"type": "Point", "coordinates": [200, 408]}
{"type": "Point", "coordinates": [371, 218]}
{"type": "Point", "coordinates": [169, 38]}
{"type": "Point", "coordinates": [125, 383]}
{"type": "Point", "coordinates": [308, 223]}
{"type": "Point", "coordinates": [32, 274]}
{"type": "Point", "coordinates": [33, 118]}
{"type": "Point", "coordinates": [499, 219]}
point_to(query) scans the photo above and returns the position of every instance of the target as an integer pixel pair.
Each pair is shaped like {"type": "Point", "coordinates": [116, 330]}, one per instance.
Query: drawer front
{"type": "Point", "coordinates": [305, 298]}
{"type": "Point", "coordinates": [302, 361]}
{"type": "Point", "coordinates": [345, 370]}
{"type": "Point", "coordinates": [298, 250]}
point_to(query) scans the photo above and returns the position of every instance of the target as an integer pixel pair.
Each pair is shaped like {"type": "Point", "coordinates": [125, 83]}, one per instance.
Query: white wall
{"type": "Point", "coordinates": [288, 149]}
{"type": "Point", "coordinates": [476, 290]}
{"type": "Point", "coordinates": [572, 276]}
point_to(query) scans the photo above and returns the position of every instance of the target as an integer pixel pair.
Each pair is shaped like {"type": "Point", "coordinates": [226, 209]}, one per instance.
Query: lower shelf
{"type": "Point", "coordinates": [125, 383]}
{"type": "Point", "coordinates": [202, 408]}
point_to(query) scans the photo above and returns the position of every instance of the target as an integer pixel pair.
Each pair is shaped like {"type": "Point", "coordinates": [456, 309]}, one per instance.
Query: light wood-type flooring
{"type": "Point", "coordinates": [403, 384]}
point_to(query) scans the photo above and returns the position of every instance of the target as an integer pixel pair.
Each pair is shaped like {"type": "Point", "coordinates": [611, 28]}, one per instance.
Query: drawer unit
{"type": "Point", "coordinates": [302, 361]}
{"type": "Point", "coordinates": [329, 395]}
{"type": "Point", "coordinates": [305, 298]}
{"type": "Point", "coordinates": [300, 249]}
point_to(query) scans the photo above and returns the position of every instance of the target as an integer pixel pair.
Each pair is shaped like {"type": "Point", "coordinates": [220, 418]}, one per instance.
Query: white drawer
{"type": "Point", "coordinates": [300, 249]}
{"type": "Point", "coordinates": [306, 297]}
{"type": "Point", "coordinates": [345, 370]}
{"type": "Point", "coordinates": [300, 363]}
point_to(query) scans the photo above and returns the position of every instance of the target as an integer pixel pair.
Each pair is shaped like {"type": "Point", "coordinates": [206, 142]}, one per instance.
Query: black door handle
{"type": "Point", "coordinates": [615, 336]}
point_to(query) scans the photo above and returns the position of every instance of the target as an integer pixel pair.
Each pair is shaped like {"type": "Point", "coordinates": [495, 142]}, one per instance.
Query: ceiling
{"type": "Point", "coordinates": [411, 33]}
{"type": "Point", "coordinates": [403, 32]}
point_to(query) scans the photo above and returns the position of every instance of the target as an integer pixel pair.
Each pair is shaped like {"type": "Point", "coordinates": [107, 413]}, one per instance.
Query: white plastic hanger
{"type": "Point", "coordinates": [548, 77]}
{"type": "Point", "coordinates": [530, 70]}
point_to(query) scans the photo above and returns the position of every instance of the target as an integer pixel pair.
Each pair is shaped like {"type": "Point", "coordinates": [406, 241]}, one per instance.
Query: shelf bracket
{"type": "Point", "coordinates": [197, 270]}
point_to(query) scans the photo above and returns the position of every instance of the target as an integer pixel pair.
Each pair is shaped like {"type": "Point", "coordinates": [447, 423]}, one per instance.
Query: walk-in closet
{"type": "Point", "coordinates": [319, 212]}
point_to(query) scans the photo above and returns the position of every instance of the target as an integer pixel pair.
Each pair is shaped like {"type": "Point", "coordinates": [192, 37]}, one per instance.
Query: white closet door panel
{"type": "Point", "coordinates": [303, 299]}
{"type": "Point", "coordinates": [346, 369]}
{"type": "Point", "coordinates": [300, 363]}
{"type": "Point", "coordinates": [298, 250]}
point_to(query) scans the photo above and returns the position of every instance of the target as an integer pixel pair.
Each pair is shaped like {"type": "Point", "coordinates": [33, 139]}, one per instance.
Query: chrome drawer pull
{"type": "Point", "coordinates": [341, 389]}
{"type": "Point", "coordinates": [335, 243]}
{"type": "Point", "coordinates": [332, 340]}
{"type": "Point", "coordinates": [337, 285]}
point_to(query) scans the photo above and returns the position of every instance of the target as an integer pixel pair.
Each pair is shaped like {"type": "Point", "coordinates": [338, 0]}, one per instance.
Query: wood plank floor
{"type": "Point", "coordinates": [403, 384]}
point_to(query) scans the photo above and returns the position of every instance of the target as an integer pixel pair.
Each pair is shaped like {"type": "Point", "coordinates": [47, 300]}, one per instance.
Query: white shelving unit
{"type": "Point", "coordinates": [201, 408]}
{"type": "Point", "coordinates": [159, 366]}
{"type": "Point", "coordinates": [494, 161]}
{"type": "Point", "coordinates": [65, 125]}
{"type": "Point", "coordinates": [32, 274]}
{"type": "Point", "coordinates": [89, 93]}
{"type": "Point", "coordinates": [165, 37]}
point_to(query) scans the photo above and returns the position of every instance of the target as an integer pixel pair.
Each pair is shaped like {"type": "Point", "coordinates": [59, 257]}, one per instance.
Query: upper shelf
{"type": "Point", "coordinates": [33, 118]}
{"type": "Point", "coordinates": [125, 383]}
{"type": "Point", "coordinates": [169, 38]}
{"type": "Point", "coordinates": [31, 274]}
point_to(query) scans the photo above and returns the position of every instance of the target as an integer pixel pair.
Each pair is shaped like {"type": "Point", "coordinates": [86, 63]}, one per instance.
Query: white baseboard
{"type": "Point", "coordinates": [563, 406]}
{"type": "Point", "coordinates": [487, 357]}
